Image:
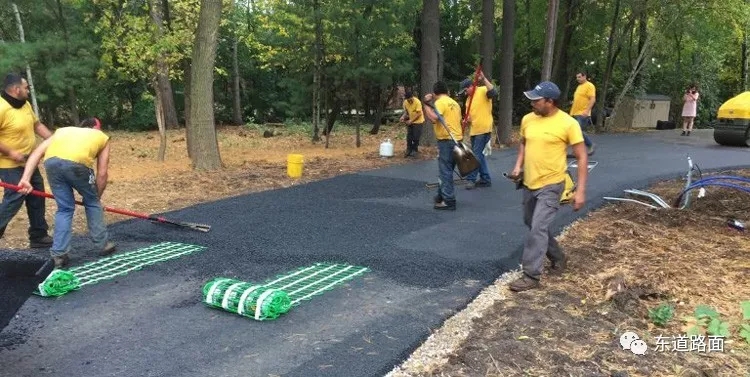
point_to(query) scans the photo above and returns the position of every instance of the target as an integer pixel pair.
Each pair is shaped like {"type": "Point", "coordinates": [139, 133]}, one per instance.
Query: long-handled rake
{"type": "Point", "coordinates": [156, 219]}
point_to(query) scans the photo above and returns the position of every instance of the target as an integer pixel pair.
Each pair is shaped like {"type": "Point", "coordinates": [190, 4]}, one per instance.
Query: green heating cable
{"type": "Point", "coordinates": [60, 282]}
{"type": "Point", "coordinates": [277, 295]}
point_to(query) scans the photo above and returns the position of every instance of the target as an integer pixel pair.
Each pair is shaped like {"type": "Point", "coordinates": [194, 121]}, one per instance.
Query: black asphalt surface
{"type": "Point", "coordinates": [426, 265]}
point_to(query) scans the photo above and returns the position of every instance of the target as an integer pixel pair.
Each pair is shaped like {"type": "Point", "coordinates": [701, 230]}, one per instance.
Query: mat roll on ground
{"type": "Point", "coordinates": [20, 273]}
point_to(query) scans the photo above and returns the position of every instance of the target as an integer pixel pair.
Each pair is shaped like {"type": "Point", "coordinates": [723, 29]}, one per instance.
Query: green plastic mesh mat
{"type": "Point", "coordinates": [276, 296]}
{"type": "Point", "coordinates": [60, 281]}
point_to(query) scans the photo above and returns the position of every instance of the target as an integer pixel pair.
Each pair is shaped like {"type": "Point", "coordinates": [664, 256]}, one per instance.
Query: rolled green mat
{"type": "Point", "coordinates": [58, 283]}
{"type": "Point", "coordinates": [246, 299]}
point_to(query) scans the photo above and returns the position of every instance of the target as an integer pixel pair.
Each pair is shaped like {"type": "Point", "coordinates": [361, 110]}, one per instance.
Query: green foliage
{"type": "Point", "coordinates": [661, 314]}
{"type": "Point", "coordinates": [709, 320]}
{"type": "Point", "coordinates": [745, 327]}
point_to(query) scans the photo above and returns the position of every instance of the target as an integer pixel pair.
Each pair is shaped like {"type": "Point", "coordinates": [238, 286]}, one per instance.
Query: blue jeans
{"type": "Point", "coordinates": [583, 122]}
{"type": "Point", "coordinates": [446, 164]}
{"type": "Point", "coordinates": [478, 142]}
{"type": "Point", "coordinates": [64, 176]}
{"type": "Point", "coordinates": [12, 201]}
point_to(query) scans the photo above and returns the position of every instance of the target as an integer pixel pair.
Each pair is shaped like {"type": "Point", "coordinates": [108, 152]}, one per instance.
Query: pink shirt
{"type": "Point", "coordinates": [690, 108]}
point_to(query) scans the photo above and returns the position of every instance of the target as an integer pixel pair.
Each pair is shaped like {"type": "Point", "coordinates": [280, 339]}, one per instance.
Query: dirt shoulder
{"type": "Point", "coordinates": [626, 262]}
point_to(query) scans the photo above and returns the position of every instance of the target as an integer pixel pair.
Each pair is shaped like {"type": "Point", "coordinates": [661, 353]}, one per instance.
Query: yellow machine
{"type": "Point", "coordinates": [732, 126]}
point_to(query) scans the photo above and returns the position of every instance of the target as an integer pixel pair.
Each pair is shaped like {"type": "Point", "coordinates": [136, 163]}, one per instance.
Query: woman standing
{"type": "Point", "coordinates": [689, 109]}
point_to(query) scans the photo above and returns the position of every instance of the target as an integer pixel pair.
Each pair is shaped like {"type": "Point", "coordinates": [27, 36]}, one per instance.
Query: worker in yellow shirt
{"type": "Point", "coordinates": [69, 157]}
{"type": "Point", "coordinates": [546, 134]}
{"type": "Point", "coordinates": [480, 126]}
{"type": "Point", "coordinates": [18, 129]}
{"type": "Point", "coordinates": [584, 99]}
{"type": "Point", "coordinates": [450, 111]}
{"type": "Point", "coordinates": [414, 119]}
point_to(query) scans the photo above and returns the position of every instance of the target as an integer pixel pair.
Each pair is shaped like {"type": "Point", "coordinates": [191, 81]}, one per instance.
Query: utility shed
{"type": "Point", "coordinates": [642, 111]}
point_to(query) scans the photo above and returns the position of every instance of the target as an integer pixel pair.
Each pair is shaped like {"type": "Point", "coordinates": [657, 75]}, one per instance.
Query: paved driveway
{"type": "Point", "coordinates": [426, 265]}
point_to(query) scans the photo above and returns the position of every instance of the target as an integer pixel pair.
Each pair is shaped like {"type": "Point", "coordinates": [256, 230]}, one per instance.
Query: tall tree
{"type": "Point", "coordinates": [429, 56]}
{"type": "Point", "coordinates": [507, 56]}
{"type": "Point", "coordinates": [549, 40]}
{"type": "Point", "coordinates": [488, 37]}
{"type": "Point", "coordinates": [205, 154]}
{"type": "Point", "coordinates": [28, 67]}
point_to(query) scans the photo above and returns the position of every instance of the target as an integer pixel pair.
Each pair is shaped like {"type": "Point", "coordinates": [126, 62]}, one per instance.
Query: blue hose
{"type": "Point", "coordinates": [720, 184]}
{"type": "Point", "coordinates": [718, 177]}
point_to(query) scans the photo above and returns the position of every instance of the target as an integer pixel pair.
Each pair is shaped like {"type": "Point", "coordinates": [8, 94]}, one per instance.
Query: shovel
{"type": "Point", "coordinates": [462, 155]}
{"type": "Point", "coordinates": [157, 219]}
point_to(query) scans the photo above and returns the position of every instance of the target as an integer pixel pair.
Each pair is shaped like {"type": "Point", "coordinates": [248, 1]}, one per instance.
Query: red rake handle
{"type": "Point", "coordinates": [471, 98]}
{"type": "Point", "coordinates": [108, 209]}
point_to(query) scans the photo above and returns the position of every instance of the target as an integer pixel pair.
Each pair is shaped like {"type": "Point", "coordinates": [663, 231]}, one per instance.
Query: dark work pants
{"type": "Point", "coordinates": [13, 200]}
{"type": "Point", "coordinates": [539, 209]}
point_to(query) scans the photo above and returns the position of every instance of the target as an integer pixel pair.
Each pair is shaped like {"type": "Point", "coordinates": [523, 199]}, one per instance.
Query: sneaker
{"type": "Point", "coordinates": [524, 284]}
{"type": "Point", "coordinates": [557, 268]}
{"type": "Point", "coordinates": [41, 243]}
{"type": "Point", "coordinates": [482, 183]}
{"type": "Point", "coordinates": [108, 249]}
{"type": "Point", "coordinates": [591, 149]}
{"type": "Point", "coordinates": [683, 133]}
{"type": "Point", "coordinates": [438, 198]}
{"type": "Point", "coordinates": [61, 261]}
{"type": "Point", "coordinates": [445, 206]}
{"type": "Point", "coordinates": [688, 133]}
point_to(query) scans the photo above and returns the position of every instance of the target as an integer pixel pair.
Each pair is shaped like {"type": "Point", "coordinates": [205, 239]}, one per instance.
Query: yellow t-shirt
{"type": "Point", "coordinates": [16, 131]}
{"type": "Point", "coordinates": [547, 140]}
{"type": "Point", "coordinates": [414, 109]}
{"type": "Point", "coordinates": [451, 112]}
{"type": "Point", "coordinates": [77, 144]}
{"type": "Point", "coordinates": [481, 112]}
{"type": "Point", "coordinates": [581, 98]}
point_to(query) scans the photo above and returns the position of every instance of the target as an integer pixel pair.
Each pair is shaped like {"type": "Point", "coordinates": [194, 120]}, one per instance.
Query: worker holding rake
{"type": "Point", "coordinates": [69, 157]}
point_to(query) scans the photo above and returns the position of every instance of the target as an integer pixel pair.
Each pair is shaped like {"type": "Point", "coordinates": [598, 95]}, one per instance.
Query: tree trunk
{"type": "Point", "coordinates": [163, 84]}
{"type": "Point", "coordinates": [202, 126]}
{"type": "Point", "coordinates": [642, 36]}
{"type": "Point", "coordinates": [549, 39]}
{"type": "Point", "coordinates": [236, 100]}
{"type": "Point", "coordinates": [528, 44]}
{"type": "Point", "coordinates": [744, 61]}
{"type": "Point", "coordinates": [602, 97]}
{"type": "Point", "coordinates": [75, 117]}
{"type": "Point", "coordinates": [429, 57]}
{"type": "Point", "coordinates": [317, 73]}
{"type": "Point", "coordinates": [560, 66]}
{"type": "Point", "coordinates": [505, 121]}
{"type": "Point", "coordinates": [161, 154]}
{"type": "Point", "coordinates": [188, 133]}
{"type": "Point", "coordinates": [488, 36]}
{"type": "Point", "coordinates": [28, 67]}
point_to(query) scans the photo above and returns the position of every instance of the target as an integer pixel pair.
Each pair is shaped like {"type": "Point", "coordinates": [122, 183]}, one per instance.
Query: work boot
{"type": "Point", "coordinates": [40, 243]}
{"type": "Point", "coordinates": [108, 249]}
{"type": "Point", "coordinates": [558, 267]}
{"type": "Point", "coordinates": [61, 261]}
{"type": "Point", "coordinates": [524, 284]}
{"type": "Point", "coordinates": [445, 206]}
{"type": "Point", "coordinates": [591, 149]}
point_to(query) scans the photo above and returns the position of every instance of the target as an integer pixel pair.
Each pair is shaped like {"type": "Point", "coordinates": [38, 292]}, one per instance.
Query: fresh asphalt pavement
{"type": "Point", "coordinates": [425, 266]}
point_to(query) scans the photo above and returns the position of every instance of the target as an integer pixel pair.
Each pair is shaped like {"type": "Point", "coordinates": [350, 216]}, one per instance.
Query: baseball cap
{"type": "Point", "coordinates": [545, 89]}
{"type": "Point", "coordinates": [465, 84]}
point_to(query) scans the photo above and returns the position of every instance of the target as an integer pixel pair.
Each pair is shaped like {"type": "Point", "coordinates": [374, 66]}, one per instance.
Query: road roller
{"type": "Point", "coordinates": [732, 125]}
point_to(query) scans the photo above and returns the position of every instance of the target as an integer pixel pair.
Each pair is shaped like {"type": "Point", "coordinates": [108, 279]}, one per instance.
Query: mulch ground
{"type": "Point", "coordinates": [627, 260]}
